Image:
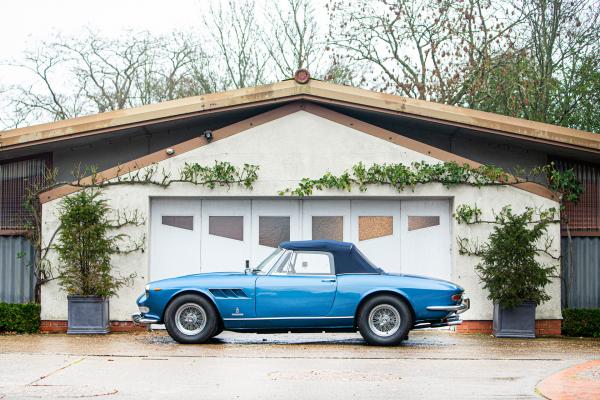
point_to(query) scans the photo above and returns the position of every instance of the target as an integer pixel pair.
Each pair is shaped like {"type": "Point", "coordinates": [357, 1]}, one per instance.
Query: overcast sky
{"type": "Point", "coordinates": [23, 23]}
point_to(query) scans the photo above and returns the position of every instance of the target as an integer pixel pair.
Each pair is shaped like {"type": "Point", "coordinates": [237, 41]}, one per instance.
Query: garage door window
{"type": "Point", "coordinates": [422, 222]}
{"type": "Point", "coordinates": [273, 230]}
{"type": "Point", "coordinates": [372, 227]}
{"type": "Point", "coordinates": [177, 221]}
{"type": "Point", "coordinates": [328, 228]}
{"type": "Point", "coordinates": [231, 227]}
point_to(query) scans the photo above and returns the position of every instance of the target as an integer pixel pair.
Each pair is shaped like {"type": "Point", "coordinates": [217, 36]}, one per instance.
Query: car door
{"type": "Point", "coordinates": [303, 284]}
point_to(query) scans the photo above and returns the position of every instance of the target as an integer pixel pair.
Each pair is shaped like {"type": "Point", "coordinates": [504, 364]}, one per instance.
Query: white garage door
{"type": "Point", "coordinates": [192, 235]}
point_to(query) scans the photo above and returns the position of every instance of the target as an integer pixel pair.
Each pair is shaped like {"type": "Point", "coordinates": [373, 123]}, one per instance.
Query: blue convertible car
{"type": "Point", "coordinates": [302, 286]}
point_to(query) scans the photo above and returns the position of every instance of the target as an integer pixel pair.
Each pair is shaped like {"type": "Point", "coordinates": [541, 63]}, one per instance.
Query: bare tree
{"type": "Point", "coordinates": [75, 76]}
{"type": "Point", "coordinates": [294, 40]}
{"type": "Point", "coordinates": [237, 37]}
{"type": "Point", "coordinates": [45, 94]}
{"type": "Point", "coordinates": [422, 49]}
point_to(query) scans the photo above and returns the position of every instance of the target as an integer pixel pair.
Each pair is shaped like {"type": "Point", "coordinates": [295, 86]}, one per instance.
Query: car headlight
{"type": "Point", "coordinates": [144, 310]}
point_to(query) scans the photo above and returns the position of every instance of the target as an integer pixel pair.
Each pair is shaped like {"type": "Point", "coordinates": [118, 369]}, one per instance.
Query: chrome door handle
{"type": "Point", "coordinates": [327, 280]}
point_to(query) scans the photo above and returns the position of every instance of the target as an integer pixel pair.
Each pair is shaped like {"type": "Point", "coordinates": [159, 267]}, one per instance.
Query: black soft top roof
{"type": "Point", "coordinates": [348, 259]}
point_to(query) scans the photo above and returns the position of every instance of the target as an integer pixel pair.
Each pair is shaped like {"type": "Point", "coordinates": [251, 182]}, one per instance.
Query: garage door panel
{"type": "Point", "coordinates": [375, 228]}
{"type": "Point", "coordinates": [425, 240]}
{"type": "Point", "coordinates": [225, 242]}
{"type": "Point", "coordinates": [273, 221]}
{"type": "Point", "coordinates": [174, 238]}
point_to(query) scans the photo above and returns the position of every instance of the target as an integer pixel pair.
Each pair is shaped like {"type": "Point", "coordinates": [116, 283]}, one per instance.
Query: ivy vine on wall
{"type": "Point", "coordinates": [221, 173]}
{"type": "Point", "coordinates": [401, 176]}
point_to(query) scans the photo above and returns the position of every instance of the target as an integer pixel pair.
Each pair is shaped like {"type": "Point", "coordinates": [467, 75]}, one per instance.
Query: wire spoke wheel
{"type": "Point", "coordinates": [384, 320]}
{"type": "Point", "coordinates": [190, 319]}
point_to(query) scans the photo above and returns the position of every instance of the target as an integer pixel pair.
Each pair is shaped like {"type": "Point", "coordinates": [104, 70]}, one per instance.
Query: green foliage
{"type": "Point", "coordinates": [20, 318]}
{"type": "Point", "coordinates": [563, 182]}
{"type": "Point", "coordinates": [220, 174]}
{"type": "Point", "coordinates": [466, 214]}
{"type": "Point", "coordinates": [583, 89]}
{"type": "Point", "coordinates": [509, 269]}
{"type": "Point", "coordinates": [402, 176]}
{"type": "Point", "coordinates": [85, 246]}
{"type": "Point", "coordinates": [581, 322]}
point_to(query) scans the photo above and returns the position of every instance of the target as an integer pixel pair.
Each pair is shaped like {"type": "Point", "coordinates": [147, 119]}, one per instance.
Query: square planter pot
{"type": "Point", "coordinates": [88, 315]}
{"type": "Point", "coordinates": [518, 322]}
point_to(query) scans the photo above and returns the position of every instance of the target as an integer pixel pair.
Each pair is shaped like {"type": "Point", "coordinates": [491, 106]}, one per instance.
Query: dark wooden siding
{"type": "Point", "coordinates": [16, 177]}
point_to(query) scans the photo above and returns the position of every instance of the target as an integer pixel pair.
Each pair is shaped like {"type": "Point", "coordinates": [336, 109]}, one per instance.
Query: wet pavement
{"type": "Point", "coordinates": [431, 364]}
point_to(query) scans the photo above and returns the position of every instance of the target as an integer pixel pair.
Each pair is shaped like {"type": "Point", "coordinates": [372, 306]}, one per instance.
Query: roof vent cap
{"type": "Point", "coordinates": [302, 76]}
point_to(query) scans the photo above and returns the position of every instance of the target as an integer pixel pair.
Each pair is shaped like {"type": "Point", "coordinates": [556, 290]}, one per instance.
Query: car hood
{"type": "Point", "coordinates": [196, 277]}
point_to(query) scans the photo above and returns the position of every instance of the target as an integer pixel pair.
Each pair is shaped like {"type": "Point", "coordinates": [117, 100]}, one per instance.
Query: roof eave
{"type": "Point", "coordinates": [319, 91]}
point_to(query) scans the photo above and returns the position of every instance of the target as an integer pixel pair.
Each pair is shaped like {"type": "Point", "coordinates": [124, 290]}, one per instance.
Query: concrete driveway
{"type": "Point", "coordinates": [432, 364]}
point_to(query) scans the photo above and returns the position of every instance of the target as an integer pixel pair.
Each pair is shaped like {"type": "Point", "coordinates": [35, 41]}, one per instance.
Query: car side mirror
{"type": "Point", "coordinates": [247, 270]}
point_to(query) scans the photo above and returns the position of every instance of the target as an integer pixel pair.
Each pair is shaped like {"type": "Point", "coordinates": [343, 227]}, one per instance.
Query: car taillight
{"type": "Point", "coordinates": [456, 297]}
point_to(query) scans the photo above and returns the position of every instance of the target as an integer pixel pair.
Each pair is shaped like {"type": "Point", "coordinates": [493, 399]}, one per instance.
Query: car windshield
{"type": "Point", "coordinates": [265, 266]}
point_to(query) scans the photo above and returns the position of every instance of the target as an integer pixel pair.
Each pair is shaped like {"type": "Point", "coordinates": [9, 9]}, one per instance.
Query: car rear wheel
{"type": "Point", "coordinates": [384, 320]}
{"type": "Point", "coordinates": [191, 319]}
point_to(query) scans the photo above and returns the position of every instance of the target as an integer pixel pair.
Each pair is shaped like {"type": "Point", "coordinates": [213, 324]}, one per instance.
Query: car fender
{"type": "Point", "coordinates": [383, 290]}
{"type": "Point", "coordinates": [192, 290]}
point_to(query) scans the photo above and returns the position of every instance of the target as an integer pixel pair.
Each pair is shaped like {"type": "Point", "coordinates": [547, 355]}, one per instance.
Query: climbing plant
{"type": "Point", "coordinates": [401, 176]}
{"type": "Point", "coordinates": [221, 173]}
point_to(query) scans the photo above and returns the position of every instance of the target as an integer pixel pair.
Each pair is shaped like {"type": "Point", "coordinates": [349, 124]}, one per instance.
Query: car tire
{"type": "Point", "coordinates": [218, 331]}
{"type": "Point", "coordinates": [191, 319]}
{"type": "Point", "coordinates": [384, 320]}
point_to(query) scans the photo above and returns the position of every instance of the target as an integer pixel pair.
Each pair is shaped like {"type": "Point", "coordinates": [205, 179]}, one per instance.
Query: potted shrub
{"type": "Point", "coordinates": [512, 274]}
{"type": "Point", "coordinates": [85, 247]}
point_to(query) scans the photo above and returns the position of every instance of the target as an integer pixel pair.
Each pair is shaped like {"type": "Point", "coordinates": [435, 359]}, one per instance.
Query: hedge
{"type": "Point", "coordinates": [581, 322]}
{"type": "Point", "coordinates": [19, 318]}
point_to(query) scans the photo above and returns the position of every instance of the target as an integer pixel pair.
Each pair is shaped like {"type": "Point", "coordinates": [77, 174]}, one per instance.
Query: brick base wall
{"type": "Point", "coordinates": [543, 327]}
{"type": "Point", "coordinates": [49, 326]}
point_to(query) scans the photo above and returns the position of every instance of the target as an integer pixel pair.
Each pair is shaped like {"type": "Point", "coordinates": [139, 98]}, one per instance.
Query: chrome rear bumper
{"type": "Point", "coordinates": [458, 309]}
{"type": "Point", "coordinates": [446, 322]}
{"type": "Point", "coordinates": [138, 319]}
{"type": "Point", "coordinates": [450, 320]}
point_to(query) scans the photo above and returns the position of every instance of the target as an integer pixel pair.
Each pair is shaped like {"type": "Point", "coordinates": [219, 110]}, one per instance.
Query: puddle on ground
{"type": "Point", "coordinates": [228, 338]}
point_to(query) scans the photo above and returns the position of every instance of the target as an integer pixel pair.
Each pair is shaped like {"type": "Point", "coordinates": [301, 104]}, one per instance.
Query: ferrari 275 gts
{"type": "Point", "coordinates": [303, 286]}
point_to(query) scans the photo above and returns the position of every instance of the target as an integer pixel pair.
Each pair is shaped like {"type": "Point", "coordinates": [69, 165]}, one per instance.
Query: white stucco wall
{"type": "Point", "coordinates": [288, 149]}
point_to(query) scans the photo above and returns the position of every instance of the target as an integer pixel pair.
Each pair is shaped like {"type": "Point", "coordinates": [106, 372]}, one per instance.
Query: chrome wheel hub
{"type": "Point", "coordinates": [384, 320]}
{"type": "Point", "coordinates": [190, 319]}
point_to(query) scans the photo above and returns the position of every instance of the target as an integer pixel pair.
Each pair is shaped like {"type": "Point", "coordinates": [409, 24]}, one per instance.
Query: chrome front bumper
{"type": "Point", "coordinates": [458, 309]}
{"type": "Point", "coordinates": [138, 319]}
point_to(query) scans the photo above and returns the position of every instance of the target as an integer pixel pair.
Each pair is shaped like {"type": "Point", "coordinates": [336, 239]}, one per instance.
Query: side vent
{"type": "Point", "coordinates": [228, 293]}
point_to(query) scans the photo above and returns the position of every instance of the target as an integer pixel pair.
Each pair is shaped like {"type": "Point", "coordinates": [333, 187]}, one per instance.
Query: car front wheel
{"type": "Point", "coordinates": [384, 320]}
{"type": "Point", "coordinates": [191, 319]}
